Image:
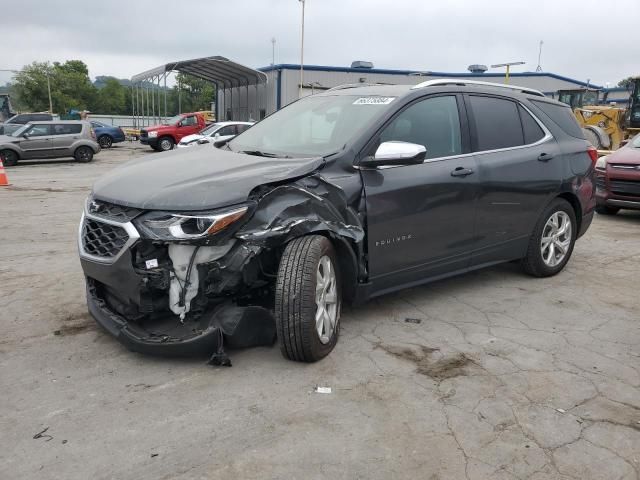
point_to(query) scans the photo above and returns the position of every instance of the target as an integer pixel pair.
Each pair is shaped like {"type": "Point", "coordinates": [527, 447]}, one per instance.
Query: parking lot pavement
{"type": "Point", "coordinates": [492, 375]}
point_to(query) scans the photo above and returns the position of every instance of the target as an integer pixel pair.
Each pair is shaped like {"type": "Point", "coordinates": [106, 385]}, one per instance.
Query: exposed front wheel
{"type": "Point", "coordinates": [83, 154]}
{"type": "Point", "coordinates": [552, 242]}
{"type": "Point", "coordinates": [105, 141]}
{"type": "Point", "coordinates": [604, 210]}
{"type": "Point", "coordinates": [308, 299]}
{"type": "Point", "coordinates": [165, 143]}
{"type": "Point", "coordinates": [9, 158]}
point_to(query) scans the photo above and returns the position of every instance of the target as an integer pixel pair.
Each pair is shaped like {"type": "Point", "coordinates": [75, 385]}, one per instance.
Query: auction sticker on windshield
{"type": "Point", "coordinates": [373, 101]}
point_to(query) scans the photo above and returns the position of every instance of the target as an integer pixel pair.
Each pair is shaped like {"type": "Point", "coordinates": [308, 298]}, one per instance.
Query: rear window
{"type": "Point", "coordinates": [562, 116]}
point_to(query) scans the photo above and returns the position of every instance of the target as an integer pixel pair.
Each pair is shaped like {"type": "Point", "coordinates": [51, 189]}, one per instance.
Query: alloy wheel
{"type": "Point", "coordinates": [556, 238]}
{"type": "Point", "coordinates": [326, 300]}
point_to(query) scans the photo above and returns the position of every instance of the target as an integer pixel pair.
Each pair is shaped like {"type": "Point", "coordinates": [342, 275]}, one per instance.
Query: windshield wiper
{"type": "Point", "coordinates": [258, 153]}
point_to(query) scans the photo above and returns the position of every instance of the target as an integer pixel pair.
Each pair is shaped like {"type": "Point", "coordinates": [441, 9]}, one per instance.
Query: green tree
{"type": "Point", "coordinates": [112, 99]}
{"type": "Point", "coordinates": [195, 94]}
{"type": "Point", "coordinates": [70, 85]}
{"type": "Point", "coordinates": [624, 83]}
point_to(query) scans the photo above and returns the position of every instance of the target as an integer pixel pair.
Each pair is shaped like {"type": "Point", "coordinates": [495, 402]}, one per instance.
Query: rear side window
{"type": "Point", "coordinates": [531, 129]}
{"type": "Point", "coordinates": [242, 128]}
{"type": "Point", "coordinates": [562, 116]}
{"type": "Point", "coordinates": [228, 130]}
{"type": "Point", "coordinates": [66, 129]}
{"type": "Point", "coordinates": [433, 122]}
{"type": "Point", "coordinates": [497, 123]}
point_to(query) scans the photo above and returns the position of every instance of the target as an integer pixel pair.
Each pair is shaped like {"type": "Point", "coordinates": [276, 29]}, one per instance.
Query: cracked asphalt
{"type": "Point", "coordinates": [496, 375]}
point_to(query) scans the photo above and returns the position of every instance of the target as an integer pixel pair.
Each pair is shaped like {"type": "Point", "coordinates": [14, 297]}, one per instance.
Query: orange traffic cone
{"type": "Point", "coordinates": [4, 181]}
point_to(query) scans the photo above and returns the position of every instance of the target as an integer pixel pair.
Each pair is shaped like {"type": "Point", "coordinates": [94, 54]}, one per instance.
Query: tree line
{"type": "Point", "coordinates": [72, 89]}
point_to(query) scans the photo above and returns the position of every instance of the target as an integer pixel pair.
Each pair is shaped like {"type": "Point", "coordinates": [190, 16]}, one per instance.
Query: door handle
{"type": "Point", "coordinates": [461, 172]}
{"type": "Point", "coordinates": [545, 157]}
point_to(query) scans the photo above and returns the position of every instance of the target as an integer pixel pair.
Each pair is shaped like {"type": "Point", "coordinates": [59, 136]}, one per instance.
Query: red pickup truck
{"type": "Point", "coordinates": [163, 137]}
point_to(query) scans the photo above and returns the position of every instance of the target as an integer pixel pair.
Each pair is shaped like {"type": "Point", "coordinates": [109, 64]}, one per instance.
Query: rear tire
{"type": "Point", "coordinates": [165, 144]}
{"type": "Point", "coordinates": [105, 141]}
{"type": "Point", "coordinates": [308, 299]}
{"type": "Point", "coordinates": [83, 154]}
{"type": "Point", "coordinates": [9, 158]}
{"type": "Point", "coordinates": [604, 210]}
{"type": "Point", "coordinates": [552, 241]}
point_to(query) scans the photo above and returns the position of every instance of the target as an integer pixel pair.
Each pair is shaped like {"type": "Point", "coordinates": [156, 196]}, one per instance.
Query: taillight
{"type": "Point", "coordinates": [593, 154]}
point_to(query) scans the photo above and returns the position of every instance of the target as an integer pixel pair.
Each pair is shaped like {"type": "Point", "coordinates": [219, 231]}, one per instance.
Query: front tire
{"type": "Point", "coordinates": [552, 241]}
{"type": "Point", "coordinates": [308, 299]}
{"type": "Point", "coordinates": [165, 144]}
{"type": "Point", "coordinates": [604, 210]}
{"type": "Point", "coordinates": [105, 141]}
{"type": "Point", "coordinates": [83, 154]}
{"type": "Point", "coordinates": [9, 158]}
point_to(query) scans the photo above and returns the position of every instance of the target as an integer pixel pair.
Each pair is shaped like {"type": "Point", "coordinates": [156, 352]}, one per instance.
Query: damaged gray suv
{"type": "Point", "coordinates": [339, 197]}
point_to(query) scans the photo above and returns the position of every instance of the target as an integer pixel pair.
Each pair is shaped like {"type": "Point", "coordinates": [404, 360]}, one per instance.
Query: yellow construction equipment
{"type": "Point", "coordinates": [607, 127]}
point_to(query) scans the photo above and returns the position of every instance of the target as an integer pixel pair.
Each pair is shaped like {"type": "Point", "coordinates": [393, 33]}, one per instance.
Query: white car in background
{"type": "Point", "coordinates": [214, 133]}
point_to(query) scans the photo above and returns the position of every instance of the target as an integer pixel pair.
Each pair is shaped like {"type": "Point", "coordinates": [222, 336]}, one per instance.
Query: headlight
{"type": "Point", "coordinates": [153, 134]}
{"type": "Point", "coordinates": [601, 163]}
{"type": "Point", "coordinates": [173, 226]}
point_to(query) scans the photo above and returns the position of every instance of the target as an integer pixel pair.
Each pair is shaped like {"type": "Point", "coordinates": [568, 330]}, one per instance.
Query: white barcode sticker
{"type": "Point", "coordinates": [373, 101]}
{"type": "Point", "coordinates": [153, 263]}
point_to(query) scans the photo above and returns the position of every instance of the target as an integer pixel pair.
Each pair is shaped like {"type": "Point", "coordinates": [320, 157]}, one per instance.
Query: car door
{"type": "Point", "coordinates": [517, 175]}
{"type": "Point", "coordinates": [36, 141]}
{"type": "Point", "coordinates": [188, 126]}
{"type": "Point", "coordinates": [420, 218]}
{"type": "Point", "coordinates": [63, 138]}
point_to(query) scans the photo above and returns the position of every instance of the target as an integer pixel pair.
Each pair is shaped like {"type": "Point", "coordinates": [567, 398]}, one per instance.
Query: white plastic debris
{"type": "Point", "coordinates": [323, 389]}
{"type": "Point", "coordinates": [561, 410]}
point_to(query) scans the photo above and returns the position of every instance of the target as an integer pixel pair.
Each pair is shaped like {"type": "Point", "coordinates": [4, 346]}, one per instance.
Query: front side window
{"type": "Point", "coordinates": [228, 130]}
{"type": "Point", "coordinates": [433, 123]}
{"type": "Point", "coordinates": [497, 123]}
{"type": "Point", "coordinates": [38, 130]}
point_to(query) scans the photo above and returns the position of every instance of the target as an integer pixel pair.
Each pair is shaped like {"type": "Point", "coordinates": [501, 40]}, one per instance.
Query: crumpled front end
{"type": "Point", "coordinates": [192, 296]}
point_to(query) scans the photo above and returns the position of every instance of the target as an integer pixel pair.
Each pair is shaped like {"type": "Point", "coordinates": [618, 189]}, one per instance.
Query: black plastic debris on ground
{"type": "Point", "coordinates": [43, 434]}
{"type": "Point", "coordinates": [413, 320]}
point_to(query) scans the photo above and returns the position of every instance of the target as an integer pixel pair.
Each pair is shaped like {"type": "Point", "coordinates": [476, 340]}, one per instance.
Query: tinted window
{"type": "Point", "coordinates": [38, 130]}
{"type": "Point", "coordinates": [66, 128]}
{"type": "Point", "coordinates": [532, 131]}
{"type": "Point", "coordinates": [242, 128]}
{"type": "Point", "coordinates": [22, 119]}
{"type": "Point", "coordinates": [433, 122]}
{"type": "Point", "coordinates": [562, 116]}
{"type": "Point", "coordinates": [497, 123]}
{"type": "Point", "coordinates": [42, 116]}
{"type": "Point", "coordinates": [228, 130]}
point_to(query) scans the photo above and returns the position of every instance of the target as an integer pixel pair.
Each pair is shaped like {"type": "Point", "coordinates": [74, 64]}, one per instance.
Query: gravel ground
{"type": "Point", "coordinates": [495, 375]}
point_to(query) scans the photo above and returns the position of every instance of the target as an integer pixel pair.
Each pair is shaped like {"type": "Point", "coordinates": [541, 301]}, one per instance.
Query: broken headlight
{"type": "Point", "coordinates": [188, 226]}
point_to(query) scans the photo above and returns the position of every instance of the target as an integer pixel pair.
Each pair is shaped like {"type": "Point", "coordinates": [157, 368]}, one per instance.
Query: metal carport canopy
{"type": "Point", "coordinates": [214, 69]}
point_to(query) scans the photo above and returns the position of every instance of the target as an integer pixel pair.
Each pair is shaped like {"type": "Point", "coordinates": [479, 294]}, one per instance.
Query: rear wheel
{"type": "Point", "coordinates": [9, 158]}
{"type": "Point", "coordinates": [604, 210]}
{"type": "Point", "coordinates": [105, 141]}
{"type": "Point", "coordinates": [83, 154]}
{"type": "Point", "coordinates": [552, 242]}
{"type": "Point", "coordinates": [308, 299]}
{"type": "Point", "coordinates": [165, 143]}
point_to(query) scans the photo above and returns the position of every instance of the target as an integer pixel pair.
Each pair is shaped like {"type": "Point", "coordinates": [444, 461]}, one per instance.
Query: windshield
{"type": "Point", "coordinates": [19, 131]}
{"type": "Point", "coordinates": [172, 120]}
{"type": "Point", "coordinates": [209, 130]}
{"type": "Point", "coordinates": [314, 126]}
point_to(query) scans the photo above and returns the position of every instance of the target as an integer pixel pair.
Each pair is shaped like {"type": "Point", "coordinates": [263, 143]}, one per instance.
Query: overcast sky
{"type": "Point", "coordinates": [583, 39]}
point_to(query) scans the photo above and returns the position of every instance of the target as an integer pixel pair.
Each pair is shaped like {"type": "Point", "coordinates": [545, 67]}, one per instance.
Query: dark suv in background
{"type": "Point", "coordinates": [15, 122]}
{"type": "Point", "coordinates": [339, 197]}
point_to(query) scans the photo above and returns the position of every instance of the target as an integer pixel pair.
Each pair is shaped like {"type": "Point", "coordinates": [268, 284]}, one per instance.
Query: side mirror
{"type": "Point", "coordinates": [396, 153]}
{"type": "Point", "coordinates": [25, 135]}
{"type": "Point", "coordinates": [217, 135]}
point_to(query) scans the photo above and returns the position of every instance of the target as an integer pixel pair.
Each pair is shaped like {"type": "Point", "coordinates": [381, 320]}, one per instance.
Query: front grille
{"type": "Point", "coordinates": [143, 134]}
{"type": "Point", "coordinates": [113, 211]}
{"type": "Point", "coordinates": [102, 239]}
{"type": "Point", "coordinates": [601, 182]}
{"type": "Point", "coordinates": [625, 187]}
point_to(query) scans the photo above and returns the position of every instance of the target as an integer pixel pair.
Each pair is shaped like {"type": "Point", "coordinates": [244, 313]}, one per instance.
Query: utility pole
{"type": "Point", "coordinates": [539, 67]}
{"type": "Point", "coordinates": [273, 51]}
{"type": "Point", "coordinates": [302, 51]}
{"type": "Point", "coordinates": [510, 64]}
{"type": "Point", "coordinates": [49, 92]}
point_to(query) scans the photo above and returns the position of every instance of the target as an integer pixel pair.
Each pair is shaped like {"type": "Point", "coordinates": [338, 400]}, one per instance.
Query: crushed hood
{"type": "Point", "coordinates": [197, 178]}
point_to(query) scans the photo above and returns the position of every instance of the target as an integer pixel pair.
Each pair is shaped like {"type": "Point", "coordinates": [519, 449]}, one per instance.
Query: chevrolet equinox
{"type": "Point", "coordinates": [339, 197]}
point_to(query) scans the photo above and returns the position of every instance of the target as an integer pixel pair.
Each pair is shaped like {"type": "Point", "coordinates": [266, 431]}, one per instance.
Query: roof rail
{"type": "Point", "coordinates": [463, 82]}
{"type": "Point", "coordinates": [354, 85]}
